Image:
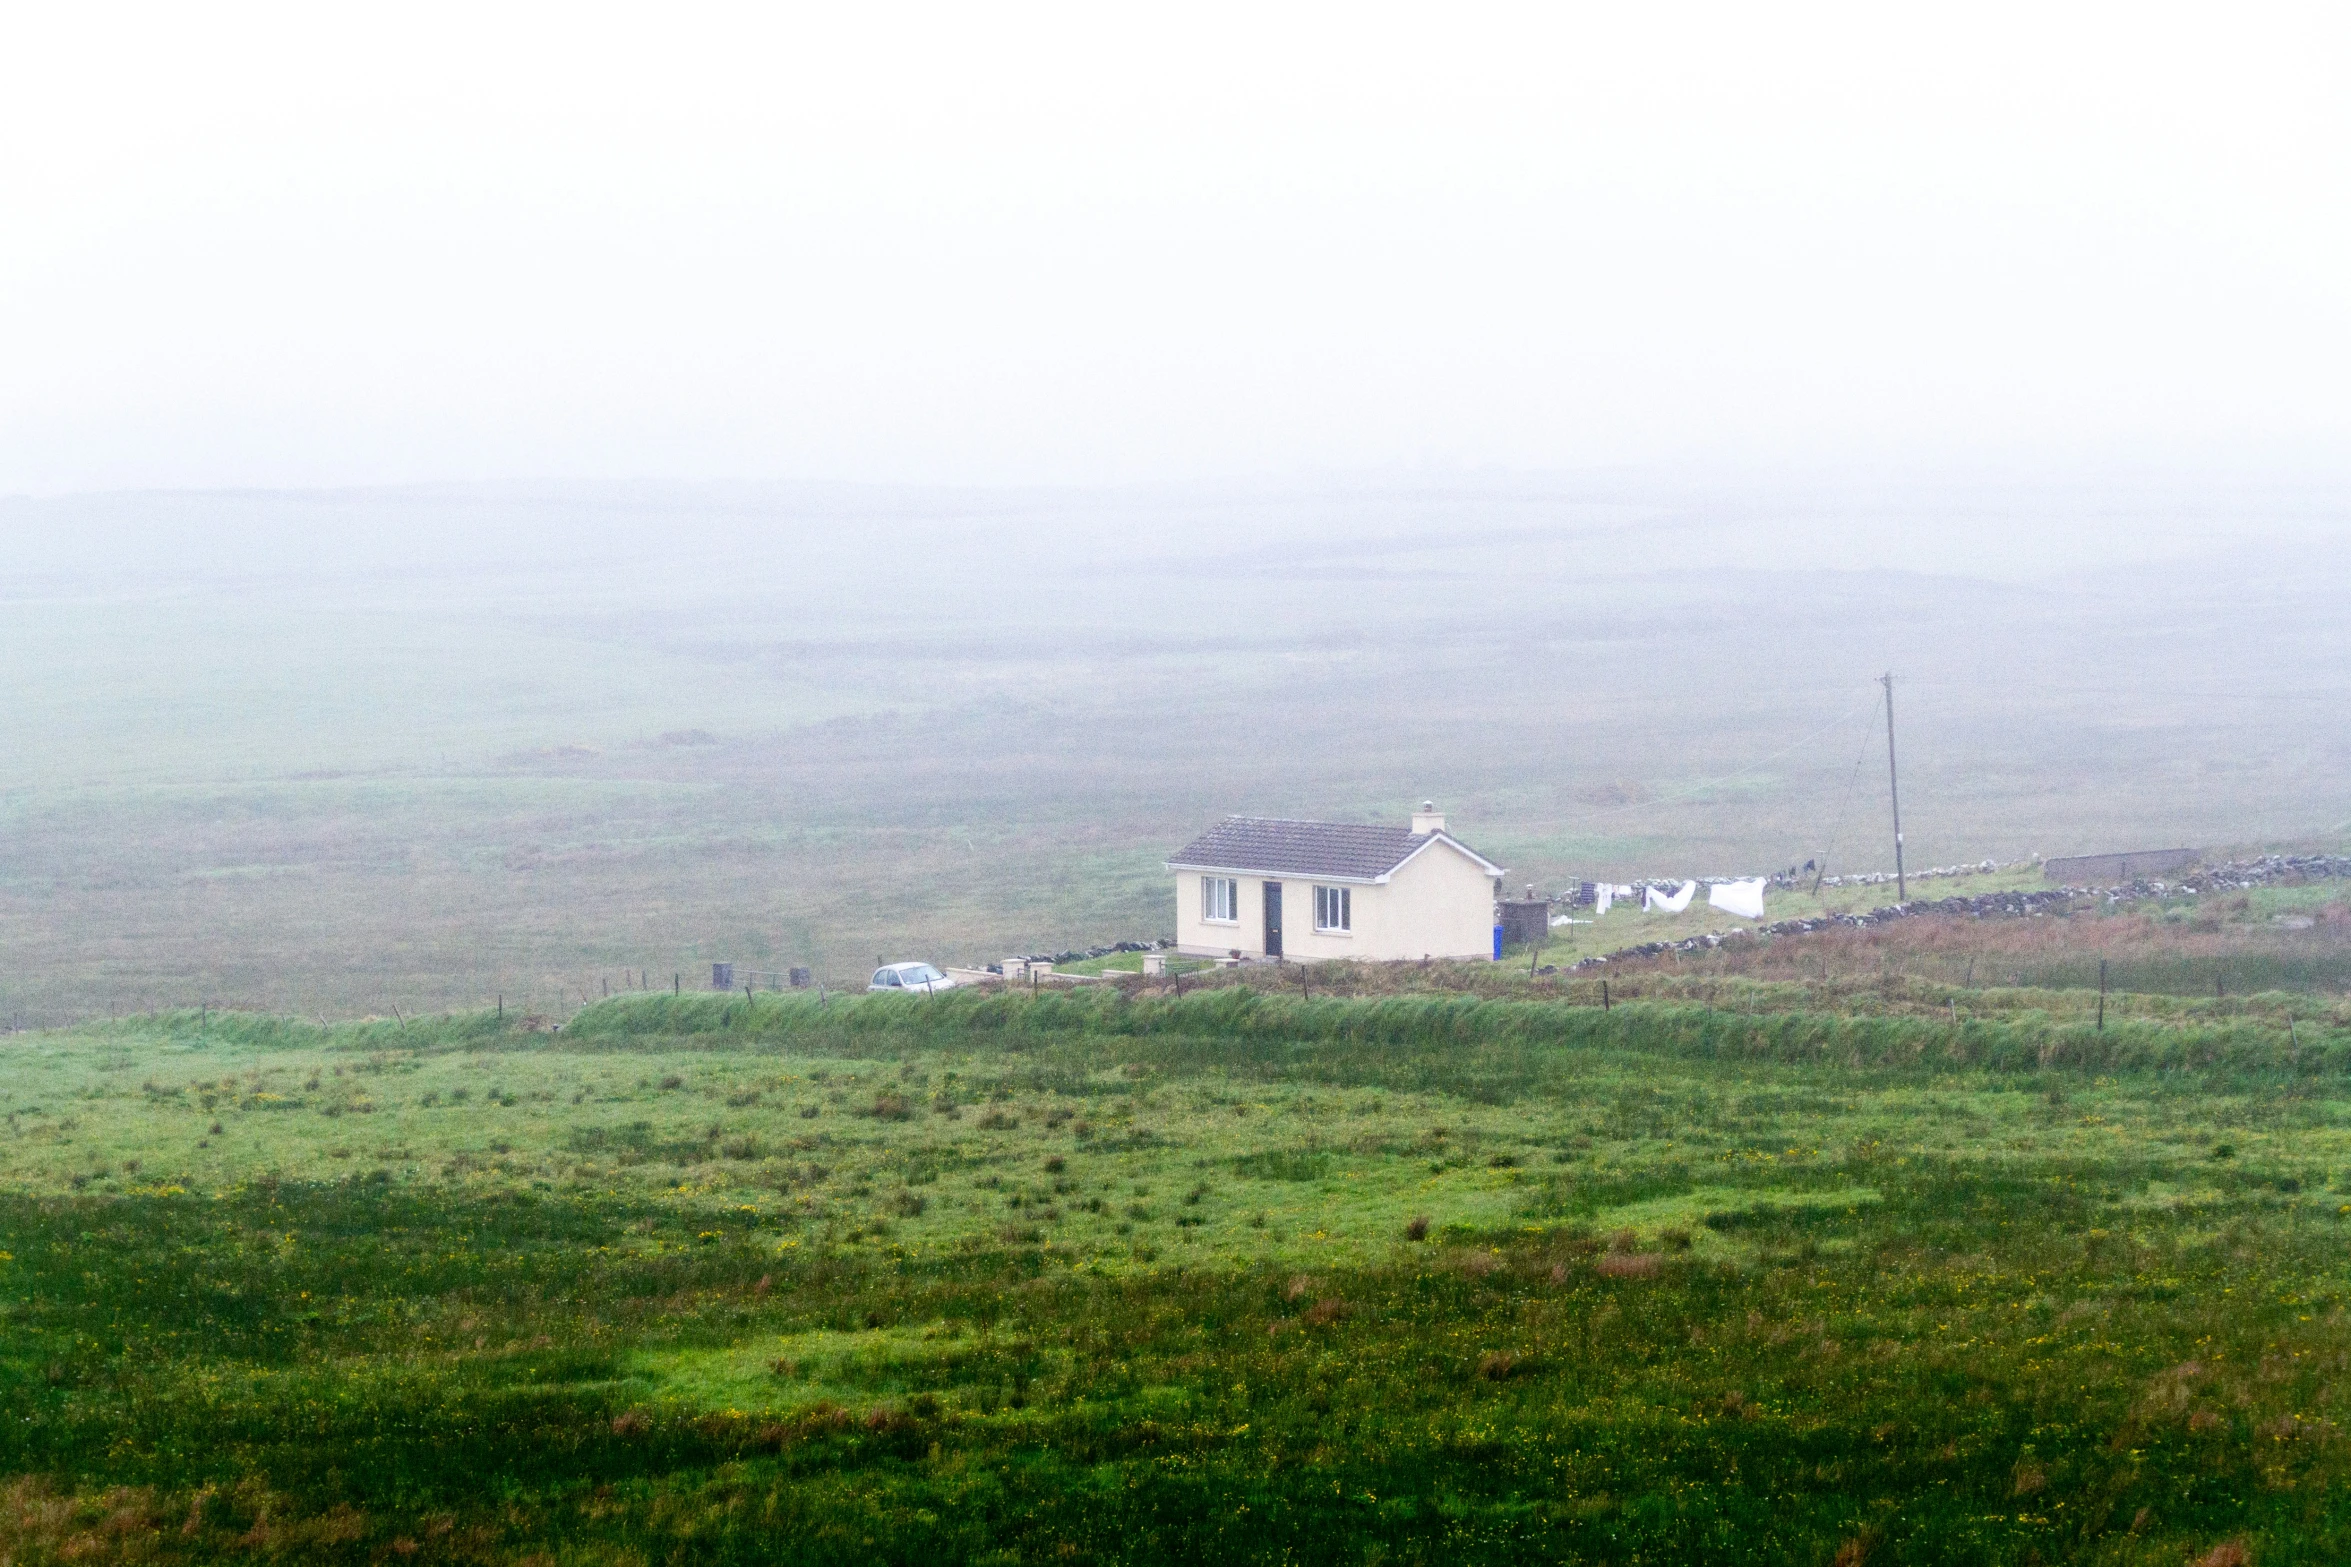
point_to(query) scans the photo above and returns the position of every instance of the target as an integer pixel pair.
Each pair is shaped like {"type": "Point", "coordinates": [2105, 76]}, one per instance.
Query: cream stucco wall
{"type": "Point", "coordinates": [1443, 905]}
{"type": "Point", "coordinates": [1206, 939]}
{"type": "Point", "coordinates": [1439, 905]}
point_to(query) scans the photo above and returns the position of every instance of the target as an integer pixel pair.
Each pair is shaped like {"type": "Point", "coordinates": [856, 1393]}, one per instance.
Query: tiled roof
{"type": "Point", "coordinates": [1350, 850]}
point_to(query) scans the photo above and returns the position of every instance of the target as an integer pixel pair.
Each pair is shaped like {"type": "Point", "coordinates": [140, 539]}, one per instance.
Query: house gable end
{"type": "Point", "coordinates": [1432, 840]}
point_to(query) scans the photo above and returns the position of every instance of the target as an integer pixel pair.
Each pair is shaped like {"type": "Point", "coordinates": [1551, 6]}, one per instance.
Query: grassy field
{"type": "Point", "coordinates": [1245, 1276]}
{"type": "Point", "coordinates": [1880, 1246]}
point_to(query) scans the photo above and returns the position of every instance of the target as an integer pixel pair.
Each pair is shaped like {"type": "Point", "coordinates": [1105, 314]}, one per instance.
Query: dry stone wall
{"type": "Point", "coordinates": [2229, 876]}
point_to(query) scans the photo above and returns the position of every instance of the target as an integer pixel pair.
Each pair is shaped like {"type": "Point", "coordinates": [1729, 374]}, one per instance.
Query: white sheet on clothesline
{"type": "Point", "coordinates": [1655, 902]}
{"type": "Point", "coordinates": [1743, 898]}
{"type": "Point", "coordinates": [1605, 893]}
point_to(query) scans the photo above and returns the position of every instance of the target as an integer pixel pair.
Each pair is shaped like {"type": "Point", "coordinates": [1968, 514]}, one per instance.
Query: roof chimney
{"type": "Point", "coordinates": [1428, 818]}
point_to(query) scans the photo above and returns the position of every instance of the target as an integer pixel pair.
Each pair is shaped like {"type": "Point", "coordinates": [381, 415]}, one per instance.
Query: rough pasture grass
{"type": "Point", "coordinates": [1030, 1286]}
{"type": "Point", "coordinates": [1449, 1040]}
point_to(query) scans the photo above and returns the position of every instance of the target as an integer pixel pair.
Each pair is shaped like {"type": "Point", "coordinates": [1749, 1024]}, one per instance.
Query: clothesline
{"type": "Point", "coordinates": [1741, 895]}
{"type": "Point", "coordinates": [1691, 791]}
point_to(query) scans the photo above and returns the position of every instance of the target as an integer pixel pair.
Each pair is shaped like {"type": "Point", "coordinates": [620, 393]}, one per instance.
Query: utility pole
{"type": "Point", "coordinates": [1894, 789]}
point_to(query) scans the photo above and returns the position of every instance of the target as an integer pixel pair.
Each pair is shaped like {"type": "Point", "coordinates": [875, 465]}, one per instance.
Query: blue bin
{"type": "Point", "coordinates": [1497, 943]}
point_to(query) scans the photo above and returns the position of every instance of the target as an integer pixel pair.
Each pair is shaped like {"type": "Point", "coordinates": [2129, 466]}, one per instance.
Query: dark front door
{"type": "Point", "coordinates": [1273, 919]}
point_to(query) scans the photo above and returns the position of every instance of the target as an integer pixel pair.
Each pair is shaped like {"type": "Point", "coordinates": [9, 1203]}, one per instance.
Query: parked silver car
{"type": "Point", "coordinates": [899, 978]}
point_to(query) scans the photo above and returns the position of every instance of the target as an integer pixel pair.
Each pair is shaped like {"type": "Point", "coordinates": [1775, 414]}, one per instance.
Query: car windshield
{"type": "Point", "coordinates": [920, 974]}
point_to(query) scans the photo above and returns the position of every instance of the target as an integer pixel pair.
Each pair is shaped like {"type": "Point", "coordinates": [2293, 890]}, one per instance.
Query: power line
{"type": "Point", "coordinates": [1894, 792]}
{"type": "Point", "coordinates": [2155, 692]}
{"type": "Point", "coordinates": [1852, 782]}
{"type": "Point", "coordinates": [1691, 791]}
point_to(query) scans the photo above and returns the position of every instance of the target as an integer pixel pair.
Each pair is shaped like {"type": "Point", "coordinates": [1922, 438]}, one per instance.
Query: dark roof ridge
{"type": "Point", "coordinates": [1297, 846]}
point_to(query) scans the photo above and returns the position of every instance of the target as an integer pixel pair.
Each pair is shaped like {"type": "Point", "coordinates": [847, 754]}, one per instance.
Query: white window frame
{"type": "Point", "coordinates": [1334, 911]}
{"type": "Point", "coordinates": [1220, 892]}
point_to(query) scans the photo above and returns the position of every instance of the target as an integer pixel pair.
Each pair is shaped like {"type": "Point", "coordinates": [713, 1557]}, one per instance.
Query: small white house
{"type": "Point", "coordinates": [1267, 888]}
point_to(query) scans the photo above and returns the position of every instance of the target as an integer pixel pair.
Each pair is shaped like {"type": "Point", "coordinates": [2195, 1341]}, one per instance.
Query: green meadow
{"type": "Point", "coordinates": [1235, 1277]}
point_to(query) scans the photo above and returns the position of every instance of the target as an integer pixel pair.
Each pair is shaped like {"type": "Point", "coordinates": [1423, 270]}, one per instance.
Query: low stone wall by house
{"type": "Point", "coordinates": [2081, 870]}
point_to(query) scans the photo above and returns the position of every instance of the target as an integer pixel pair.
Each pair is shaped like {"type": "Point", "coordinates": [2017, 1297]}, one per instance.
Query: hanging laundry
{"type": "Point", "coordinates": [1605, 893]}
{"type": "Point", "coordinates": [1655, 902]}
{"type": "Point", "coordinates": [1743, 898]}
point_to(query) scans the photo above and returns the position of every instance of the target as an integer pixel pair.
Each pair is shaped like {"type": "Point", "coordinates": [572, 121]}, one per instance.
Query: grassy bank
{"type": "Point", "coordinates": [1396, 1038]}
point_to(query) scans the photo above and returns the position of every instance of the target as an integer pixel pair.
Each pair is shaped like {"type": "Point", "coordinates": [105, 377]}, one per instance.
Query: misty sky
{"type": "Point", "coordinates": [312, 245]}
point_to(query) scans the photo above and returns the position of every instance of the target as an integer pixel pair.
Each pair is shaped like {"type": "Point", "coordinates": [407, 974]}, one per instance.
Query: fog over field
{"type": "Point", "coordinates": [496, 499]}
{"type": "Point", "coordinates": [341, 751]}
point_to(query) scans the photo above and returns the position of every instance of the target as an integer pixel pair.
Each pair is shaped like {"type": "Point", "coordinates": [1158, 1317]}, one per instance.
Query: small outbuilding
{"type": "Point", "coordinates": [1265, 887]}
